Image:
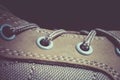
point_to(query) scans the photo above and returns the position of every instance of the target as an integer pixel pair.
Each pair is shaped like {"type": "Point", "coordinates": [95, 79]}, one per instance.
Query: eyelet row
{"type": "Point", "coordinates": [49, 45]}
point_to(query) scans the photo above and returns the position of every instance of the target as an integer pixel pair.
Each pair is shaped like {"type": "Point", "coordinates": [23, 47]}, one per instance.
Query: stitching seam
{"type": "Point", "coordinates": [63, 58]}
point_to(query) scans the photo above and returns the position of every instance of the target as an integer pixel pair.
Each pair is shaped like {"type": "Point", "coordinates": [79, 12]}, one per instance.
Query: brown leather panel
{"type": "Point", "coordinates": [24, 47]}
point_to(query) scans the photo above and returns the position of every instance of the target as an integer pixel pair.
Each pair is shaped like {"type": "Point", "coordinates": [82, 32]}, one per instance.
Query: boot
{"type": "Point", "coordinates": [30, 52]}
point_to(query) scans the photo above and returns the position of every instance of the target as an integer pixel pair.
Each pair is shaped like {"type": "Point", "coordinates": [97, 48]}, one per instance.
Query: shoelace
{"type": "Point", "coordinates": [46, 42]}
{"type": "Point", "coordinates": [85, 47]}
{"type": "Point", "coordinates": [7, 32]}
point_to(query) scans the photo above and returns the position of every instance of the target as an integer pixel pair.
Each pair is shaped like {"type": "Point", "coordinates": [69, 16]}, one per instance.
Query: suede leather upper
{"type": "Point", "coordinates": [24, 46]}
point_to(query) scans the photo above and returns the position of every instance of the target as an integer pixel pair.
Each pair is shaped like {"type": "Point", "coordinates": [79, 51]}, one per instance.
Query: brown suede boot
{"type": "Point", "coordinates": [28, 52]}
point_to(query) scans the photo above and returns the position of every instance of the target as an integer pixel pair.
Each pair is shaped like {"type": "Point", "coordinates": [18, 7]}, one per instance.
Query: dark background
{"type": "Point", "coordinates": [68, 14]}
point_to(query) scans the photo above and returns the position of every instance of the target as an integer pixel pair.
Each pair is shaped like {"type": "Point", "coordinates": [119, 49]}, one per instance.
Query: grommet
{"type": "Point", "coordinates": [4, 33]}
{"type": "Point", "coordinates": [44, 44]}
{"type": "Point", "coordinates": [117, 51]}
{"type": "Point", "coordinates": [84, 52]}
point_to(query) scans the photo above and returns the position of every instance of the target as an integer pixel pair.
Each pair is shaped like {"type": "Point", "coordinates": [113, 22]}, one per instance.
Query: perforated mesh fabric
{"type": "Point", "coordinates": [13, 70]}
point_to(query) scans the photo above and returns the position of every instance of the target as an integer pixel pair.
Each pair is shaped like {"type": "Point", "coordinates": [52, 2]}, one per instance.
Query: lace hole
{"type": "Point", "coordinates": [118, 51]}
{"type": "Point", "coordinates": [83, 51]}
{"type": "Point", "coordinates": [84, 47]}
{"type": "Point", "coordinates": [6, 33]}
{"type": "Point", "coordinates": [44, 44]}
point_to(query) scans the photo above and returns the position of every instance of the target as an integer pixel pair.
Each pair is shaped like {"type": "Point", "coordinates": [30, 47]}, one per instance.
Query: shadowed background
{"type": "Point", "coordinates": [69, 15]}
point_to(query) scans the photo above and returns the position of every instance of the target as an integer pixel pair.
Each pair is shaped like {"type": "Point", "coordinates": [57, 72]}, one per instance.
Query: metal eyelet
{"type": "Point", "coordinates": [2, 32]}
{"type": "Point", "coordinates": [84, 52]}
{"type": "Point", "coordinates": [117, 51]}
{"type": "Point", "coordinates": [84, 47]}
{"type": "Point", "coordinates": [47, 46]}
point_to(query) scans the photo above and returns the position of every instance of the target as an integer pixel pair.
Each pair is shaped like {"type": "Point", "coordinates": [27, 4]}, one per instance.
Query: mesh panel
{"type": "Point", "coordinates": [31, 71]}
